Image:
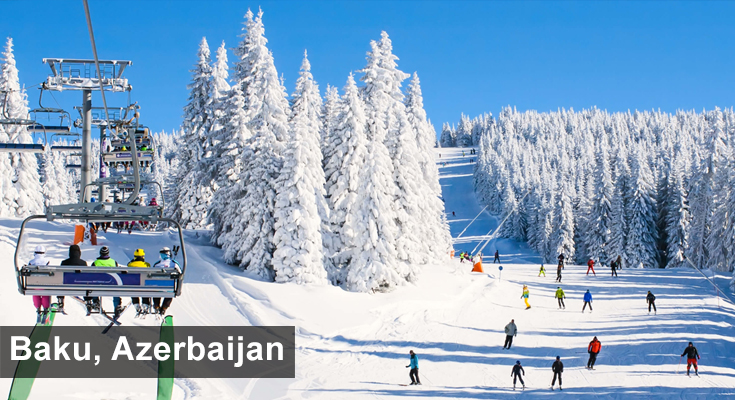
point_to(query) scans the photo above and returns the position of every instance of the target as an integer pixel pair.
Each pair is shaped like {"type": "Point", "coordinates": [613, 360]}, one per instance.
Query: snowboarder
{"type": "Point", "coordinates": [558, 271]}
{"type": "Point", "coordinates": [692, 357]}
{"type": "Point", "coordinates": [560, 296]}
{"type": "Point", "coordinates": [139, 261]}
{"type": "Point", "coordinates": [516, 374]}
{"type": "Point", "coordinates": [591, 267]}
{"type": "Point", "coordinates": [75, 258]}
{"type": "Point", "coordinates": [414, 365]}
{"type": "Point", "coordinates": [587, 300]}
{"type": "Point", "coordinates": [39, 258]}
{"type": "Point", "coordinates": [542, 271]}
{"type": "Point", "coordinates": [558, 368]}
{"type": "Point", "coordinates": [650, 299]}
{"type": "Point", "coordinates": [497, 257]}
{"type": "Point", "coordinates": [166, 261]}
{"type": "Point", "coordinates": [104, 260]}
{"type": "Point", "coordinates": [593, 348]}
{"type": "Point", "coordinates": [524, 296]}
{"type": "Point", "coordinates": [510, 331]}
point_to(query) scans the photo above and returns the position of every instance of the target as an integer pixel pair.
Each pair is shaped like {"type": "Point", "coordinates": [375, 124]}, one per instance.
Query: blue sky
{"type": "Point", "coordinates": [472, 57]}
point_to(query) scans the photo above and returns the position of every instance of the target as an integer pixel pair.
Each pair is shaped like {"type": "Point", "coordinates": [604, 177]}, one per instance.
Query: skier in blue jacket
{"type": "Point", "coordinates": [587, 300]}
{"type": "Point", "coordinates": [414, 365]}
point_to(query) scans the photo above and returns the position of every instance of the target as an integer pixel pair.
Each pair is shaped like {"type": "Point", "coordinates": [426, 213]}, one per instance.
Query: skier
{"type": "Point", "coordinates": [461, 256]}
{"type": "Point", "coordinates": [104, 260]}
{"type": "Point", "coordinates": [614, 267]}
{"type": "Point", "coordinates": [139, 261]}
{"type": "Point", "coordinates": [692, 357]}
{"type": "Point", "coordinates": [497, 257]}
{"type": "Point", "coordinates": [516, 374]}
{"type": "Point", "coordinates": [650, 299]}
{"type": "Point", "coordinates": [560, 297]}
{"type": "Point", "coordinates": [414, 365]}
{"type": "Point", "coordinates": [39, 258]}
{"type": "Point", "coordinates": [75, 258]}
{"type": "Point", "coordinates": [558, 271]}
{"type": "Point", "coordinates": [542, 271]}
{"type": "Point", "coordinates": [593, 348]}
{"type": "Point", "coordinates": [524, 296]}
{"type": "Point", "coordinates": [618, 264]}
{"type": "Point", "coordinates": [591, 267]}
{"type": "Point", "coordinates": [166, 261]}
{"type": "Point", "coordinates": [510, 331]}
{"type": "Point", "coordinates": [587, 300]}
{"type": "Point", "coordinates": [558, 368]}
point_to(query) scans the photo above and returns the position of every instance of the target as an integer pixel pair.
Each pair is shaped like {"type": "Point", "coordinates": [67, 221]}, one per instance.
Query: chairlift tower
{"type": "Point", "coordinates": [81, 75]}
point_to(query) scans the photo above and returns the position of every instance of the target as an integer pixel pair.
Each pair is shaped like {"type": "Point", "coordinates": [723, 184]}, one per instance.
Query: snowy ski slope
{"type": "Point", "coordinates": [355, 346]}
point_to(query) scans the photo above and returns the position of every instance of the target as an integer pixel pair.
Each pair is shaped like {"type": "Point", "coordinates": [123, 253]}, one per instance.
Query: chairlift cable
{"type": "Point", "coordinates": [96, 60]}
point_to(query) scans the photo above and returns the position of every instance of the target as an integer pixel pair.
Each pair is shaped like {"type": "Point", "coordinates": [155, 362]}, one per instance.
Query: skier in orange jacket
{"type": "Point", "coordinates": [593, 348]}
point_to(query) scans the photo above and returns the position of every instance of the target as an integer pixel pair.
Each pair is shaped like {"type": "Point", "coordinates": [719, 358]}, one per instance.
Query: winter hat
{"type": "Point", "coordinates": [104, 251]}
{"type": "Point", "coordinates": [139, 253]}
{"type": "Point", "coordinates": [557, 357]}
{"type": "Point", "coordinates": [518, 361]}
{"type": "Point", "coordinates": [40, 249]}
{"type": "Point", "coordinates": [690, 343]}
{"type": "Point", "coordinates": [75, 251]}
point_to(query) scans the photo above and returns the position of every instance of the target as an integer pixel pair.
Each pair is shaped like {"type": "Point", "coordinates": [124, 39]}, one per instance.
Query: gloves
{"type": "Point", "coordinates": [407, 366]}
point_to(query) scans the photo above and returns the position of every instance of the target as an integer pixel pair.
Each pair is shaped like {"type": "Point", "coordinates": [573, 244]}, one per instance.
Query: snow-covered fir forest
{"type": "Point", "coordinates": [655, 188]}
{"type": "Point", "coordinates": [341, 189]}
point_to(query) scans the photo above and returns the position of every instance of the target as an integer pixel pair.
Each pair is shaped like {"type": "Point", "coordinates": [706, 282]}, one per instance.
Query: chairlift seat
{"type": "Point", "coordinates": [65, 280]}
{"type": "Point", "coordinates": [74, 166]}
{"type": "Point", "coordinates": [66, 148]}
{"type": "Point", "coordinates": [127, 156]}
{"type": "Point", "coordinates": [37, 128]}
{"type": "Point", "coordinates": [21, 148]}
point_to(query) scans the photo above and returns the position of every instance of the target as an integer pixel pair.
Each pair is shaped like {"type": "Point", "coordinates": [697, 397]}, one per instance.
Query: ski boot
{"type": "Point", "coordinates": [39, 316]}
{"type": "Point", "coordinates": [696, 372]}
{"type": "Point", "coordinates": [60, 304]}
{"type": "Point", "coordinates": [118, 311]}
{"type": "Point", "coordinates": [138, 310]}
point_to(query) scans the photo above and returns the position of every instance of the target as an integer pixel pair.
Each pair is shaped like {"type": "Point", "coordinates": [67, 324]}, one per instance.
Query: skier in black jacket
{"type": "Point", "coordinates": [650, 298]}
{"type": "Point", "coordinates": [75, 258]}
{"type": "Point", "coordinates": [692, 356]}
{"type": "Point", "coordinates": [558, 368]}
{"type": "Point", "coordinates": [516, 373]}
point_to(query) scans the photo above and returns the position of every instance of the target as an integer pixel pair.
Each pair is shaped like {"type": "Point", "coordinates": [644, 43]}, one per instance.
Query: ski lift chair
{"type": "Point", "coordinates": [58, 280]}
{"type": "Point", "coordinates": [6, 120]}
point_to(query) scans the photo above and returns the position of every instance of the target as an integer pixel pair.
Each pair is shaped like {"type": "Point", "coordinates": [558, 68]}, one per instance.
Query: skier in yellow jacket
{"type": "Point", "coordinates": [525, 296]}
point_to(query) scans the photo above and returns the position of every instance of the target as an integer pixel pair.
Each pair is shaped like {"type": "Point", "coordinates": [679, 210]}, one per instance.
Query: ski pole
{"type": "Point", "coordinates": [426, 379]}
{"type": "Point", "coordinates": [679, 366]}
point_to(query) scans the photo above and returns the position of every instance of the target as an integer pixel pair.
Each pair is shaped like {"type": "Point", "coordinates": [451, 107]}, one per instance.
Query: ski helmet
{"type": "Point", "coordinates": [518, 361]}
{"type": "Point", "coordinates": [40, 249]}
{"type": "Point", "coordinates": [139, 253]}
{"type": "Point", "coordinates": [165, 249]}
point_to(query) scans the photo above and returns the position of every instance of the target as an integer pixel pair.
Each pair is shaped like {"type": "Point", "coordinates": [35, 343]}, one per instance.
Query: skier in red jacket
{"type": "Point", "coordinates": [591, 267]}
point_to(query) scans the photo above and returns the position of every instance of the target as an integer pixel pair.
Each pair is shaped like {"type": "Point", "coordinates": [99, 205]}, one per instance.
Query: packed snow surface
{"type": "Point", "coordinates": [355, 345]}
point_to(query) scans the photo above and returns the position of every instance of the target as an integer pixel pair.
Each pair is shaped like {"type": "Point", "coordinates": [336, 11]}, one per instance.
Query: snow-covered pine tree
{"type": "Point", "coordinates": [677, 216]}
{"type": "Point", "coordinates": [562, 235]}
{"type": "Point", "coordinates": [600, 218]}
{"type": "Point", "coordinates": [435, 224]}
{"type": "Point", "coordinates": [464, 132]}
{"type": "Point", "coordinates": [376, 267]}
{"type": "Point", "coordinates": [56, 180]}
{"type": "Point", "coordinates": [8, 192]}
{"type": "Point", "coordinates": [329, 115]}
{"type": "Point", "coordinates": [447, 136]}
{"type": "Point", "coordinates": [619, 222]}
{"type": "Point", "coordinates": [250, 242]}
{"type": "Point", "coordinates": [299, 252]}
{"type": "Point", "coordinates": [343, 166]}
{"type": "Point", "coordinates": [25, 165]}
{"type": "Point", "coordinates": [194, 196]}
{"type": "Point", "coordinates": [641, 248]}
{"type": "Point", "coordinates": [717, 143]}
